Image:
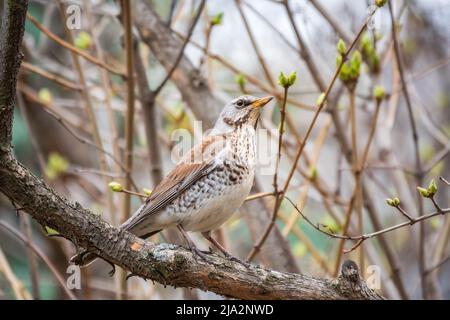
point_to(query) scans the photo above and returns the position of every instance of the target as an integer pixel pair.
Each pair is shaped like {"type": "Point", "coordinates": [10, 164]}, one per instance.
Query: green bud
{"type": "Point", "coordinates": [380, 3]}
{"type": "Point", "coordinates": [366, 42]}
{"type": "Point", "coordinates": [45, 96]}
{"type": "Point", "coordinates": [83, 40]}
{"type": "Point", "coordinates": [435, 223]}
{"type": "Point", "coordinates": [147, 192]}
{"type": "Point", "coordinates": [287, 81]}
{"type": "Point", "coordinates": [344, 74]}
{"type": "Point", "coordinates": [356, 58]}
{"type": "Point", "coordinates": [282, 80]}
{"type": "Point", "coordinates": [56, 164]}
{"type": "Point", "coordinates": [241, 80]}
{"type": "Point", "coordinates": [341, 47]}
{"type": "Point", "coordinates": [378, 93]}
{"type": "Point", "coordinates": [115, 186]}
{"type": "Point", "coordinates": [314, 173]}
{"type": "Point", "coordinates": [396, 201]}
{"type": "Point", "coordinates": [393, 202]}
{"type": "Point", "coordinates": [292, 77]}
{"type": "Point", "coordinates": [50, 232]}
{"type": "Point", "coordinates": [423, 192]}
{"type": "Point", "coordinates": [217, 19]}
{"type": "Point", "coordinates": [432, 188]}
{"type": "Point", "coordinates": [320, 99]}
{"type": "Point", "coordinates": [300, 249]}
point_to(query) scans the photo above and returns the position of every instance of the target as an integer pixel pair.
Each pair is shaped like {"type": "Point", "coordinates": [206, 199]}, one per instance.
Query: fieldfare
{"type": "Point", "coordinates": [208, 184]}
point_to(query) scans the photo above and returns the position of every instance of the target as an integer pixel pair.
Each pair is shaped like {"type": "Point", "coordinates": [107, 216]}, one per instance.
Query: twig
{"type": "Point", "coordinates": [18, 288]}
{"type": "Point", "coordinates": [437, 159]}
{"type": "Point", "coordinates": [444, 180]}
{"type": "Point", "coordinates": [142, 195]}
{"type": "Point", "coordinates": [260, 195]}
{"type": "Point", "coordinates": [129, 125]}
{"type": "Point", "coordinates": [299, 152]}
{"type": "Point", "coordinates": [261, 60]}
{"type": "Point", "coordinates": [405, 214]}
{"type": "Point", "coordinates": [438, 265]}
{"type": "Point", "coordinates": [415, 138]}
{"type": "Point", "coordinates": [72, 48]}
{"type": "Point", "coordinates": [361, 238]}
{"type": "Point", "coordinates": [304, 51]}
{"type": "Point", "coordinates": [89, 107]}
{"type": "Point", "coordinates": [181, 52]}
{"type": "Point", "coordinates": [25, 225]}
{"type": "Point", "coordinates": [67, 126]}
{"type": "Point", "coordinates": [250, 78]}
{"type": "Point", "coordinates": [333, 23]}
{"type": "Point", "coordinates": [50, 76]}
{"type": "Point", "coordinates": [41, 255]}
{"type": "Point", "coordinates": [278, 196]}
{"type": "Point", "coordinates": [147, 100]}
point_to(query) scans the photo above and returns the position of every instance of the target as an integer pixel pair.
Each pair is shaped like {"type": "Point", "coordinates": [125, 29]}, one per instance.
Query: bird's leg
{"type": "Point", "coordinates": [215, 243]}
{"type": "Point", "coordinates": [191, 244]}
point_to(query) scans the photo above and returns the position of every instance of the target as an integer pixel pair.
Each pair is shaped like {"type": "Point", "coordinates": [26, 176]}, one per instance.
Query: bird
{"type": "Point", "coordinates": [208, 184]}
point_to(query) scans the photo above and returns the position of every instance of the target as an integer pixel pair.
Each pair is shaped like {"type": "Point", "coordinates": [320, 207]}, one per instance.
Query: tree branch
{"type": "Point", "coordinates": [164, 263]}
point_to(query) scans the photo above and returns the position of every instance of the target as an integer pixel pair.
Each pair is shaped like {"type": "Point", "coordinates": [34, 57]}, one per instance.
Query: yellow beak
{"type": "Point", "coordinates": [261, 102]}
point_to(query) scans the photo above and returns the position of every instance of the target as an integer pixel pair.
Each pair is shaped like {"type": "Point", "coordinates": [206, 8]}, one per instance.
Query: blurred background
{"type": "Point", "coordinates": [70, 129]}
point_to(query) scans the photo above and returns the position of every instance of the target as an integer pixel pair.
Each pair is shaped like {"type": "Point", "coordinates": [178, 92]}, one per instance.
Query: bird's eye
{"type": "Point", "coordinates": [240, 103]}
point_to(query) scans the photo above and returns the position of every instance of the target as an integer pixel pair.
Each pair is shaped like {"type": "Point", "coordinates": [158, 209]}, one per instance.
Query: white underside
{"type": "Point", "coordinates": [214, 213]}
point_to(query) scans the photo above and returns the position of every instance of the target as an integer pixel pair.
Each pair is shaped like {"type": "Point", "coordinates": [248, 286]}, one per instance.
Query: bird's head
{"type": "Point", "coordinates": [243, 110]}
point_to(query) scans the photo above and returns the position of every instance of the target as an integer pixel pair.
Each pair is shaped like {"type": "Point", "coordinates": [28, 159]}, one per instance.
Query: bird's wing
{"type": "Point", "coordinates": [186, 173]}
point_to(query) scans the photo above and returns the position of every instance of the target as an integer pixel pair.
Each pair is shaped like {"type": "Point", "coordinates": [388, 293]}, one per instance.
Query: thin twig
{"type": "Point", "coordinates": [181, 52]}
{"type": "Point", "coordinates": [260, 57]}
{"type": "Point", "coordinates": [50, 76]}
{"type": "Point", "coordinates": [129, 125]}
{"type": "Point", "coordinates": [299, 152]}
{"type": "Point", "coordinates": [361, 238]}
{"type": "Point", "coordinates": [41, 255]}
{"type": "Point", "coordinates": [71, 47]}
{"type": "Point", "coordinates": [444, 180]}
{"type": "Point", "coordinates": [415, 138]}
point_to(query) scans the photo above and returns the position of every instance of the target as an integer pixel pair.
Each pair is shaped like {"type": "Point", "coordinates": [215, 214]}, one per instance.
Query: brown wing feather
{"type": "Point", "coordinates": [179, 179]}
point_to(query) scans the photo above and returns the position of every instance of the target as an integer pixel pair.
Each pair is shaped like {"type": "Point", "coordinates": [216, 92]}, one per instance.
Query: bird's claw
{"type": "Point", "coordinates": [199, 253]}
{"type": "Point", "coordinates": [113, 269]}
{"type": "Point", "coordinates": [244, 263]}
{"type": "Point", "coordinates": [131, 275]}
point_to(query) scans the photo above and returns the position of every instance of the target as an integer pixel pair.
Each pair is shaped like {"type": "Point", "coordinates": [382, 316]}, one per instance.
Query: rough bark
{"type": "Point", "coordinates": [12, 29]}
{"type": "Point", "coordinates": [165, 263]}
{"type": "Point", "coordinates": [193, 87]}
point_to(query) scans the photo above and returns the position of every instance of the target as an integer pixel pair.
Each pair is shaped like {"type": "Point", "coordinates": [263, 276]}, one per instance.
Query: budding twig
{"type": "Point", "coordinates": [361, 238]}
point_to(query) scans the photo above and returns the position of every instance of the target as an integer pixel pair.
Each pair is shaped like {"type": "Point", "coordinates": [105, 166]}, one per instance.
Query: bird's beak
{"type": "Point", "coordinates": [261, 102]}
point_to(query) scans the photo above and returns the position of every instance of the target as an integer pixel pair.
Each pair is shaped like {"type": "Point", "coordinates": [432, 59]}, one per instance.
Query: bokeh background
{"type": "Point", "coordinates": [239, 47]}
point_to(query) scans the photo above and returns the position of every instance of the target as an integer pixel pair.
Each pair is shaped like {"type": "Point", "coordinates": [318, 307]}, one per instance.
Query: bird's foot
{"type": "Point", "coordinates": [232, 258]}
{"type": "Point", "coordinates": [209, 251]}
{"type": "Point", "coordinates": [197, 252]}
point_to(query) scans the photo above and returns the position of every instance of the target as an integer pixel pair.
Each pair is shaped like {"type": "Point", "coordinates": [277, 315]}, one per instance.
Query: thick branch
{"type": "Point", "coordinates": [12, 29]}
{"type": "Point", "coordinates": [164, 263]}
